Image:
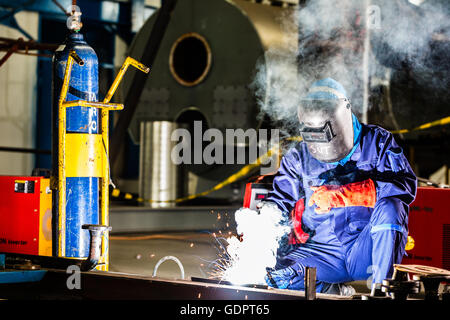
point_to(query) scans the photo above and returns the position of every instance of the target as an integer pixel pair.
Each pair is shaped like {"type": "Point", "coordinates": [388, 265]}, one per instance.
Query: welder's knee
{"type": "Point", "coordinates": [389, 211]}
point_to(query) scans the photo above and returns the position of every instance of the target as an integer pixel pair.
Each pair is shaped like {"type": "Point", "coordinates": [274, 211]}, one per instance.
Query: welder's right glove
{"type": "Point", "coordinates": [285, 278]}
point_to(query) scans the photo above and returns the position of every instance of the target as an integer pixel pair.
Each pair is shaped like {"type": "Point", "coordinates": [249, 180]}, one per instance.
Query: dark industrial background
{"type": "Point", "coordinates": [210, 79]}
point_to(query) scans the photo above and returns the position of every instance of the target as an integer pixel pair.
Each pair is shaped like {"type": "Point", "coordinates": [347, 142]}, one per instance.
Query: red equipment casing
{"type": "Point", "coordinates": [429, 229]}
{"type": "Point", "coordinates": [25, 215]}
{"type": "Point", "coordinates": [255, 193]}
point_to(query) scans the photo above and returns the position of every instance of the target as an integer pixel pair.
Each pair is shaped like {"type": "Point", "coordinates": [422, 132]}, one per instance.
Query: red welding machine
{"type": "Point", "coordinates": [429, 229]}
{"type": "Point", "coordinates": [26, 215]}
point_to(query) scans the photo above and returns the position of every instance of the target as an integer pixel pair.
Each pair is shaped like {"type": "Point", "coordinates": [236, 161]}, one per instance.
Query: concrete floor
{"type": "Point", "coordinates": [196, 251]}
{"type": "Point", "coordinates": [143, 235]}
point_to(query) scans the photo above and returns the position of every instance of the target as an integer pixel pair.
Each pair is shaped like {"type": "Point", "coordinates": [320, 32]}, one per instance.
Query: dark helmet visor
{"type": "Point", "coordinates": [324, 134]}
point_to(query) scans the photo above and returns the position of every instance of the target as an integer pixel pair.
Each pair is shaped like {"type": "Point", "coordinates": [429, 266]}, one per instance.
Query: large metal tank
{"type": "Point", "coordinates": [207, 60]}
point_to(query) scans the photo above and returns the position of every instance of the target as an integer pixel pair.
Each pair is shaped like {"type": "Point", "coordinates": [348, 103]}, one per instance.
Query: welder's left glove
{"type": "Point", "coordinates": [282, 278]}
{"type": "Point", "coordinates": [353, 194]}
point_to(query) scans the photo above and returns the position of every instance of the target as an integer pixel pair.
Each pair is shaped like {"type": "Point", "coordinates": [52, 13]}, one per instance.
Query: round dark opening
{"type": "Point", "coordinates": [188, 119]}
{"type": "Point", "coordinates": [190, 59]}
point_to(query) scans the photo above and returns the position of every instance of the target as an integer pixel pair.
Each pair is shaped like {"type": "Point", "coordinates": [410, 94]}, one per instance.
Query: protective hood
{"type": "Point", "coordinates": [327, 122]}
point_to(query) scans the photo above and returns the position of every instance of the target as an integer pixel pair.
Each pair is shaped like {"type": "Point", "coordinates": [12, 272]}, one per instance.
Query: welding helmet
{"type": "Point", "coordinates": [326, 123]}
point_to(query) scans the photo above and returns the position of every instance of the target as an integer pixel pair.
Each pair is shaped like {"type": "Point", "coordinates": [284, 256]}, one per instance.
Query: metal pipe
{"type": "Point", "coordinates": [104, 214]}
{"type": "Point", "coordinates": [84, 103]}
{"type": "Point", "coordinates": [95, 249]}
{"type": "Point", "coordinates": [310, 283]}
{"type": "Point", "coordinates": [128, 61]}
{"type": "Point", "coordinates": [61, 7]}
{"type": "Point", "coordinates": [77, 58]}
{"type": "Point", "coordinates": [432, 183]}
{"type": "Point", "coordinates": [169, 258]}
{"type": "Point", "coordinates": [24, 150]}
{"type": "Point", "coordinates": [62, 157]}
{"type": "Point", "coordinates": [114, 286]}
{"type": "Point", "coordinates": [365, 67]}
{"type": "Point", "coordinates": [9, 54]}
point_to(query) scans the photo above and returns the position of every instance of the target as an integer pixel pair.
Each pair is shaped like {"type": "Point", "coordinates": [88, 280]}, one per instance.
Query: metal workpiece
{"type": "Point", "coordinates": [431, 284]}
{"type": "Point", "coordinates": [399, 287]}
{"type": "Point", "coordinates": [95, 285]}
{"type": "Point", "coordinates": [160, 179]}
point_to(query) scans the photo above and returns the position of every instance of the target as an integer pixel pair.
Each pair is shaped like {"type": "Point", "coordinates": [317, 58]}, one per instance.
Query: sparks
{"type": "Point", "coordinates": [245, 262]}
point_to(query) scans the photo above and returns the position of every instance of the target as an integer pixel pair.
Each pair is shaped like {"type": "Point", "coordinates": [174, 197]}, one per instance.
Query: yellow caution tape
{"type": "Point", "coordinates": [115, 193]}
{"type": "Point", "coordinates": [233, 178]}
{"type": "Point", "coordinates": [128, 196]}
{"type": "Point", "coordinates": [424, 126]}
{"type": "Point", "coordinates": [257, 163]}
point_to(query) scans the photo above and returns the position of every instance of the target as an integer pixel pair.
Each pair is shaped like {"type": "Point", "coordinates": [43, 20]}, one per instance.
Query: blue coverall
{"type": "Point", "coordinates": [350, 243]}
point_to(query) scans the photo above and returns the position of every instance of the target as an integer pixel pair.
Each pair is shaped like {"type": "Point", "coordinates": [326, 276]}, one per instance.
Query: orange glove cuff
{"type": "Point", "coordinates": [353, 194]}
{"type": "Point", "coordinates": [359, 194]}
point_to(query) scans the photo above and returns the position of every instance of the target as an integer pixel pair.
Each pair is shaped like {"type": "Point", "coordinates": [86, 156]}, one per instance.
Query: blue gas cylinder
{"type": "Point", "coordinates": [82, 193]}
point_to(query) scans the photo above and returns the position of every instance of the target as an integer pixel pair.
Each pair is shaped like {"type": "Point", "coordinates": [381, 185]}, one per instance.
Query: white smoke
{"type": "Point", "coordinates": [354, 42]}
{"type": "Point", "coordinates": [262, 232]}
{"type": "Point", "coordinates": [335, 40]}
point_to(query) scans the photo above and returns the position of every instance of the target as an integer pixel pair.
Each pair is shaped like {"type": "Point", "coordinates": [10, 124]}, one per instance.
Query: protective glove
{"type": "Point", "coordinates": [353, 194]}
{"type": "Point", "coordinates": [282, 278]}
{"type": "Point", "coordinates": [296, 217]}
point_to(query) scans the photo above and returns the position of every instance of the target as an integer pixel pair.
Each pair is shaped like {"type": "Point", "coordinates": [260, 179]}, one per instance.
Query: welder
{"type": "Point", "coordinates": [348, 186]}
